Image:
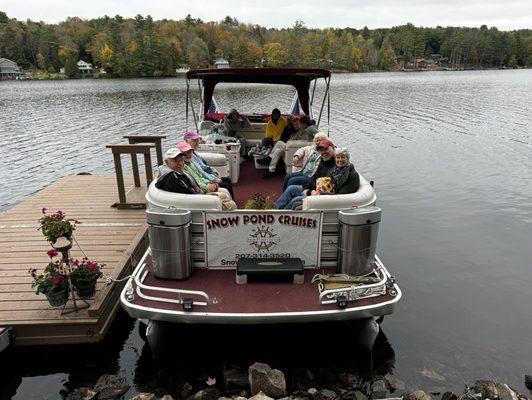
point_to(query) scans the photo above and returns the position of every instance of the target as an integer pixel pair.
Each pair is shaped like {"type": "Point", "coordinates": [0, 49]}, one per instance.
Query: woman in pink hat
{"type": "Point", "coordinates": [193, 139]}
{"type": "Point", "coordinates": [206, 186]}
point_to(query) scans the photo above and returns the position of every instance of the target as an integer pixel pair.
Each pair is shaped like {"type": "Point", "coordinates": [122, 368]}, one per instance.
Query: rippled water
{"type": "Point", "coordinates": [451, 157]}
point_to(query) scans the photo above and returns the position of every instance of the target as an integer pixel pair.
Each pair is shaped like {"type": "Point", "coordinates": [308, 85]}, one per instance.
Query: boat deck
{"type": "Point", "coordinates": [108, 235]}
{"type": "Point", "coordinates": [251, 181]}
{"type": "Point", "coordinates": [260, 296]}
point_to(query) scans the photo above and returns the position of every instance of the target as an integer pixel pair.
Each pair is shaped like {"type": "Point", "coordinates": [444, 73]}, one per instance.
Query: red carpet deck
{"type": "Point", "coordinates": [251, 182]}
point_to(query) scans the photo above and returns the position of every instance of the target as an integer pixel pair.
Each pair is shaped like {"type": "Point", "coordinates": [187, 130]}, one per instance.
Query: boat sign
{"type": "Point", "coordinates": [254, 234]}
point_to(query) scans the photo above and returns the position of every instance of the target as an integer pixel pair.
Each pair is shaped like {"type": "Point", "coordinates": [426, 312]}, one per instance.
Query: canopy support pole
{"type": "Point", "coordinates": [186, 102]}
{"type": "Point", "coordinates": [312, 99]}
{"type": "Point", "coordinates": [325, 96]}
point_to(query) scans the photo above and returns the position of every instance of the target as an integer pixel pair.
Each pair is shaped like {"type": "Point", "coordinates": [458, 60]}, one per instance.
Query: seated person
{"type": "Point", "coordinates": [206, 186]}
{"type": "Point", "coordinates": [233, 125]}
{"type": "Point", "coordinates": [294, 193]}
{"type": "Point", "coordinates": [172, 177]}
{"type": "Point", "coordinates": [264, 150]}
{"type": "Point", "coordinates": [342, 179]}
{"type": "Point", "coordinates": [279, 149]}
{"type": "Point", "coordinates": [292, 126]}
{"type": "Point", "coordinates": [275, 125]}
{"type": "Point", "coordinates": [193, 139]}
{"type": "Point", "coordinates": [303, 133]}
{"type": "Point", "coordinates": [304, 162]}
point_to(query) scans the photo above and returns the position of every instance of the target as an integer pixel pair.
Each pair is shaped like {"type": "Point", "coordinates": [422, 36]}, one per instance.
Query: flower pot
{"type": "Point", "coordinates": [58, 299]}
{"type": "Point", "coordinates": [85, 291]}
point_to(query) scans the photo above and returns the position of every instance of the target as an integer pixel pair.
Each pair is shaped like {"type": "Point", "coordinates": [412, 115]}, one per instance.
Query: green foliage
{"type": "Point", "coordinates": [257, 201]}
{"type": "Point", "coordinates": [54, 225]}
{"type": "Point", "coordinates": [85, 272]}
{"type": "Point", "coordinates": [246, 53]}
{"type": "Point", "coordinates": [141, 46]}
{"type": "Point", "coordinates": [69, 57]}
{"type": "Point", "coordinates": [51, 280]}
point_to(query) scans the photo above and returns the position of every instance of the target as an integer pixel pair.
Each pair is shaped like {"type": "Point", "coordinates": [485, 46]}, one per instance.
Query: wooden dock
{"type": "Point", "coordinates": [108, 235]}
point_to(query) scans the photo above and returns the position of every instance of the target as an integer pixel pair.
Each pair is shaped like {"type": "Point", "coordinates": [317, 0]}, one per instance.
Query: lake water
{"type": "Point", "coordinates": [450, 153]}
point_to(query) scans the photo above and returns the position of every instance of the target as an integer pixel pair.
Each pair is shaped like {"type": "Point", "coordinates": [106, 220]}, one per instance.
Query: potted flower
{"type": "Point", "coordinates": [259, 202]}
{"type": "Point", "coordinates": [55, 225]}
{"type": "Point", "coordinates": [84, 275]}
{"type": "Point", "coordinates": [52, 283]}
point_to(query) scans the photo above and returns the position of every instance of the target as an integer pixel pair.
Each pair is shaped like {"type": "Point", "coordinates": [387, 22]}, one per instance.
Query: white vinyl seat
{"type": "Point", "coordinates": [218, 161]}
{"type": "Point", "coordinates": [157, 198]}
{"type": "Point", "coordinates": [363, 197]}
{"type": "Point", "coordinates": [291, 147]}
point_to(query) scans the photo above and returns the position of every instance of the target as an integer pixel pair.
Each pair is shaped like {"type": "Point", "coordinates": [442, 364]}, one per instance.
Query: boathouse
{"type": "Point", "coordinates": [9, 69]}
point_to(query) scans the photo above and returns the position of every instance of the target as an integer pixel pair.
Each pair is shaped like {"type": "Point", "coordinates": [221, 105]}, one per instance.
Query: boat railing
{"type": "Point", "coordinates": [138, 277]}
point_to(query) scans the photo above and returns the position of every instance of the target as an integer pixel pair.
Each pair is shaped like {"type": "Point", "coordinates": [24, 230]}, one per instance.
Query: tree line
{"type": "Point", "coordinates": [142, 47]}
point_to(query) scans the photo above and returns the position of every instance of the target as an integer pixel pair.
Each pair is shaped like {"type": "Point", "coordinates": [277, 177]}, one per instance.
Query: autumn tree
{"type": "Point", "coordinates": [246, 54]}
{"type": "Point", "coordinates": [275, 55]}
{"type": "Point", "coordinates": [69, 58]}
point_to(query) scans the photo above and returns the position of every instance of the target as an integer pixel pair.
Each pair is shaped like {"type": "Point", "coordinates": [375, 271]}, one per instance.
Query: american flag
{"type": "Point", "coordinates": [294, 108]}
{"type": "Point", "coordinates": [213, 107]}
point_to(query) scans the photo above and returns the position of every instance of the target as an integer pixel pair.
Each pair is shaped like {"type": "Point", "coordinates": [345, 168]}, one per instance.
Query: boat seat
{"type": "Point", "coordinates": [218, 161]}
{"type": "Point", "coordinates": [160, 198]}
{"type": "Point", "coordinates": [291, 147]}
{"type": "Point", "coordinates": [254, 134]}
{"type": "Point", "coordinates": [363, 197]}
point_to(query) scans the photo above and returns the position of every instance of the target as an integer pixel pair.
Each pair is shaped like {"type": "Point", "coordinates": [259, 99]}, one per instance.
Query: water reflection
{"type": "Point", "coordinates": [191, 354]}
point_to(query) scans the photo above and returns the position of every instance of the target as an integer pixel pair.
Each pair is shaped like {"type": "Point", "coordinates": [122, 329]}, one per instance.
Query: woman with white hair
{"type": "Point", "coordinates": [304, 162]}
{"type": "Point", "coordinates": [341, 179]}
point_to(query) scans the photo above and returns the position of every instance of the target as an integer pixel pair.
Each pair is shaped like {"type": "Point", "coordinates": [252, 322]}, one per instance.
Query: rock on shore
{"type": "Point", "coordinates": [264, 383]}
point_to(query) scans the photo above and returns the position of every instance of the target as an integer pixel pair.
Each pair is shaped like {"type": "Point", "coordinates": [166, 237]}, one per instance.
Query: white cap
{"type": "Point", "coordinates": [171, 153]}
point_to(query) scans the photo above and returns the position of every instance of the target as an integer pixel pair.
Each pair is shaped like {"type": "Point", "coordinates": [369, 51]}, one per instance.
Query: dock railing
{"type": "Point", "coordinates": [138, 144]}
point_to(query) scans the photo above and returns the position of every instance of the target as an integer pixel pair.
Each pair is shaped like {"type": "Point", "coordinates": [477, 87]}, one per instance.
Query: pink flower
{"type": "Point", "coordinates": [56, 280]}
{"type": "Point", "coordinates": [75, 263]}
{"type": "Point", "coordinates": [91, 265]}
{"type": "Point", "coordinates": [52, 253]}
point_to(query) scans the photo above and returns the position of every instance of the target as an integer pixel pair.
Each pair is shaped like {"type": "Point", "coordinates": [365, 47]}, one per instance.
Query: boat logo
{"type": "Point", "coordinates": [263, 238]}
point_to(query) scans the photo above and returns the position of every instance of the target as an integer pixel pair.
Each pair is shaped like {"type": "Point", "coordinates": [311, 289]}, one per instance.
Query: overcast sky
{"type": "Point", "coordinates": [505, 14]}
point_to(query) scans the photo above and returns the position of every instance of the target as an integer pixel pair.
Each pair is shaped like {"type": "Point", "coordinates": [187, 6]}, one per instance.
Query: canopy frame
{"type": "Point", "coordinates": [299, 78]}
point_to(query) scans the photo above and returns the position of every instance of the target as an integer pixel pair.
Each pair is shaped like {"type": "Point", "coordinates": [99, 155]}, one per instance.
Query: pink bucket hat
{"type": "Point", "coordinates": [191, 135]}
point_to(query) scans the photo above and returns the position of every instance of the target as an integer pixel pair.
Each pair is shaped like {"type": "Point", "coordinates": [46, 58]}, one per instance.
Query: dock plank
{"type": "Point", "coordinates": [114, 237]}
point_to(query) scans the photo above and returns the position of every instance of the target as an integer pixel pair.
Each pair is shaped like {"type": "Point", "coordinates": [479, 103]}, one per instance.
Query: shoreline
{"type": "Point", "coordinates": [261, 382]}
{"type": "Point", "coordinates": [61, 77]}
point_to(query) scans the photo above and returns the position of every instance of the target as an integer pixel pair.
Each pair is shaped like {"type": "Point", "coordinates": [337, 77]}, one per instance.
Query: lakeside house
{"type": "Point", "coordinates": [182, 69]}
{"type": "Point", "coordinates": [84, 66]}
{"type": "Point", "coordinates": [9, 69]}
{"type": "Point", "coordinates": [221, 62]}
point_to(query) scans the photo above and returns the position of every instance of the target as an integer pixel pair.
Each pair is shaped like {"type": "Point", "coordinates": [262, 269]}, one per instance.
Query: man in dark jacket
{"type": "Point", "coordinates": [171, 176]}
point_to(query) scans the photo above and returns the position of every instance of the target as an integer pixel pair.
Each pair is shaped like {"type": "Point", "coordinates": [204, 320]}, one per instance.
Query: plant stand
{"type": "Point", "coordinates": [63, 246]}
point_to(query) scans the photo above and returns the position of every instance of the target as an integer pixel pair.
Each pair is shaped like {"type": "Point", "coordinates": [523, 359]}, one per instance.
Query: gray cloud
{"type": "Point", "coordinates": [506, 15]}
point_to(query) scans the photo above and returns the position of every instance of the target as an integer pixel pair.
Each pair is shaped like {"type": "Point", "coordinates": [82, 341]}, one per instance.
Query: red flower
{"type": "Point", "coordinates": [91, 265]}
{"type": "Point", "coordinates": [44, 209]}
{"type": "Point", "coordinates": [52, 253]}
{"type": "Point", "coordinates": [75, 263]}
{"type": "Point", "coordinates": [56, 280]}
